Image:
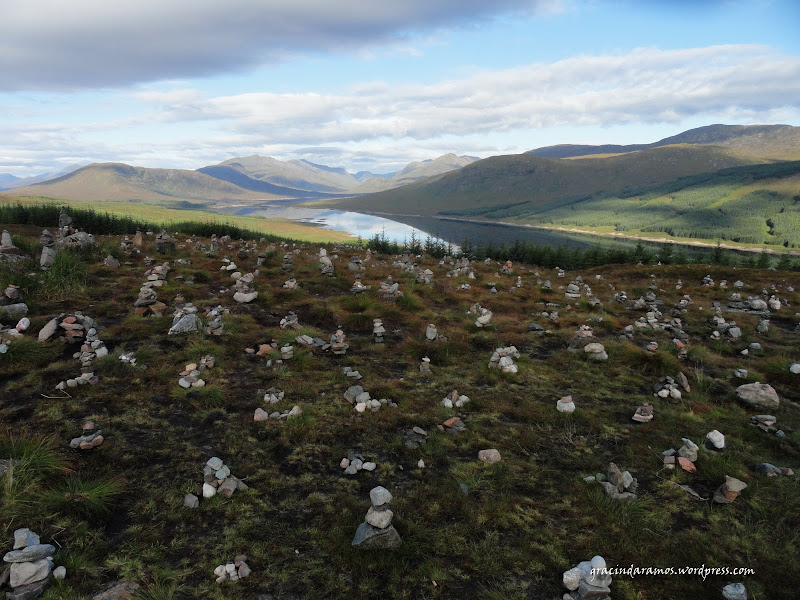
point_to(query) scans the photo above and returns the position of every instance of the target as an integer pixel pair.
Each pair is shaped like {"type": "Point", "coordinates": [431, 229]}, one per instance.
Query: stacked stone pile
{"type": "Point", "coordinates": [484, 318]}
{"type": "Point", "coordinates": [503, 359]}
{"type": "Point", "coordinates": [362, 400]}
{"type": "Point", "coordinates": [91, 437]}
{"type": "Point", "coordinates": [354, 462]}
{"type": "Point", "coordinates": [667, 387]}
{"type": "Point", "coordinates": [595, 351]}
{"type": "Point", "coordinates": [233, 571]}
{"type": "Point", "coordinates": [425, 366]}
{"type": "Point", "coordinates": [390, 290]}
{"type": "Point", "coordinates": [377, 530]}
{"type": "Point", "coordinates": [325, 263]}
{"type": "Point", "coordinates": [217, 479]}
{"type": "Point", "coordinates": [378, 330]}
{"type": "Point", "coordinates": [12, 305]}
{"type": "Point", "coordinates": [620, 485]}
{"type": "Point", "coordinates": [643, 413]}
{"type": "Point", "coordinates": [8, 251]}
{"type": "Point", "coordinates": [587, 581]}
{"type": "Point", "coordinates": [49, 250]}
{"type": "Point", "coordinates": [185, 320]}
{"type": "Point", "coordinates": [729, 491]}
{"type": "Point", "coordinates": [290, 321]}
{"type": "Point", "coordinates": [338, 345]}
{"type": "Point", "coordinates": [191, 374]}
{"type": "Point", "coordinates": [214, 323]}
{"type": "Point", "coordinates": [31, 566]}
{"type": "Point", "coordinates": [290, 284]}
{"type": "Point", "coordinates": [685, 457]}
{"type": "Point", "coordinates": [287, 263]}
{"type": "Point", "coordinates": [565, 405]}
{"type": "Point", "coordinates": [424, 276]}
{"type": "Point", "coordinates": [358, 287]}
{"type": "Point", "coordinates": [453, 399]}
{"type": "Point", "coordinates": [356, 264]}
{"type": "Point", "coordinates": [351, 373]}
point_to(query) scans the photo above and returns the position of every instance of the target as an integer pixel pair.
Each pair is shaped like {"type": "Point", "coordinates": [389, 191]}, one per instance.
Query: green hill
{"type": "Point", "coordinates": [120, 182]}
{"type": "Point", "coordinates": [525, 179]}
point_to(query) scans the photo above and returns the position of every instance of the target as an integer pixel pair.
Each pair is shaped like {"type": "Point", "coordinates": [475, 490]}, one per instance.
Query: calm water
{"type": "Point", "coordinates": [400, 228]}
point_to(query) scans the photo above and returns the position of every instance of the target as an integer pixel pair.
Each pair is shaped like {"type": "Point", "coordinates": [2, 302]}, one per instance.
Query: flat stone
{"type": "Point", "coordinates": [25, 537]}
{"type": "Point", "coordinates": [215, 463]}
{"type": "Point", "coordinates": [370, 537]}
{"type": "Point", "coordinates": [118, 591]}
{"type": "Point", "coordinates": [227, 487]}
{"type": "Point", "coordinates": [28, 591]}
{"type": "Point", "coordinates": [30, 553]}
{"type": "Point", "coordinates": [758, 395]}
{"type": "Point", "coordinates": [734, 591]}
{"type": "Point", "coordinates": [23, 573]}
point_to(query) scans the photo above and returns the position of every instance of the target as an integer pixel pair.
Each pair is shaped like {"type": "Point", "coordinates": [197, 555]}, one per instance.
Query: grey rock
{"type": "Point", "coordinates": [380, 496]}
{"type": "Point", "coordinates": [734, 591]}
{"type": "Point", "coordinates": [27, 592]}
{"type": "Point", "coordinates": [758, 395]}
{"type": "Point", "coordinates": [118, 591]}
{"type": "Point", "coordinates": [14, 311]}
{"type": "Point", "coordinates": [191, 501]}
{"type": "Point", "coordinates": [23, 573]}
{"type": "Point", "coordinates": [25, 537]}
{"type": "Point", "coordinates": [370, 537]}
{"type": "Point", "coordinates": [379, 518]}
{"type": "Point", "coordinates": [30, 553]}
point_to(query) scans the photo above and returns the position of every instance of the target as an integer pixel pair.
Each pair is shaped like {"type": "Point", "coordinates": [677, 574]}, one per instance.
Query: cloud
{"type": "Point", "coordinates": [56, 45]}
{"type": "Point", "coordinates": [645, 85]}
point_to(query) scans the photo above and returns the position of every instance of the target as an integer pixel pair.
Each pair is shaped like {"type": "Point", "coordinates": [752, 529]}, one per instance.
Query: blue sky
{"type": "Point", "coordinates": [373, 86]}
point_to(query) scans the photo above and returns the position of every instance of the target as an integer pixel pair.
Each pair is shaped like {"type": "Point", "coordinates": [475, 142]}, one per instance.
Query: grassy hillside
{"type": "Point", "coordinates": [523, 178]}
{"type": "Point", "coordinates": [119, 182]}
{"type": "Point", "coordinates": [471, 530]}
{"type": "Point", "coordinates": [752, 205]}
{"type": "Point", "coordinates": [164, 216]}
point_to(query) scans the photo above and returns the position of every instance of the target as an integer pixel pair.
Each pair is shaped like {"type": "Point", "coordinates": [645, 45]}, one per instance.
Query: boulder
{"type": "Point", "coordinates": [758, 395]}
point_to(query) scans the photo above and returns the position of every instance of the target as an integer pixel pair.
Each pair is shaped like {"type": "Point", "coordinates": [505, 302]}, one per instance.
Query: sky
{"type": "Point", "coordinates": [369, 85]}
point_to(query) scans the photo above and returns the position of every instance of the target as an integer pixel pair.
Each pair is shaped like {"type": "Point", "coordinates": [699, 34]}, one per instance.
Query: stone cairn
{"type": "Point", "coordinates": [595, 351]}
{"type": "Point", "coordinates": [643, 413]}
{"type": "Point", "coordinates": [587, 581]}
{"type": "Point", "coordinates": [484, 315]}
{"type": "Point", "coordinates": [287, 263]}
{"type": "Point", "coordinates": [295, 411]}
{"type": "Point", "coordinates": [337, 344]}
{"type": "Point", "coordinates": [424, 276]}
{"type": "Point", "coordinates": [425, 366]}
{"type": "Point", "coordinates": [185, 320]}
{"type": "Point", "coordinates": [233, 571]}
{"type": "Point", "coordinates": [377, 530]}
{"type": "Point", "coordinates": [351, 373]}
{"type": "Point", "coordinates": [503, 359]}
{"type": "Point", "coordinates": [190, 376]}
{"type": "Point", "coordinates": [667, 387]}
{"type": "Point", "coordinates": [685, 457]}
{"type": "Point", "coordinates": [31, 566]}
{"type": "Point", "coordinates": [165, 242]}
{"type": "Point", "coordinates": [147, 303]}
{"type": "Point", "coordinates": [12, 305]}
{"type": "Point", "coordinates": [565, 405]}
{"type": "Point", "coordinates": [287, 352]}
{"type": "Point", "coordinates": [355, 264]}
{"type": "Point", "coordinates": [217, 479]}
{"type": "Point", "coordinates": [91, 437]}
{"type": "Point", "coordinates": [290, 284]}
{"type": "Point", "coordinates": [454, 400]}
{"type": "Point", "coordinates": [358, 287]}
{"type": "Point", "coordinates": [390, 290]}
{"type": "Point", "coordinates": [325, 263]}
{"type": "Point", "coordinates": [353, 463]}
{"type": "Point", "coordinates": [290, 321]}
{"type": "Point", "coordinates": [362, 401]}
{"type": "Point", "coordinates": [378, 330]}
{"type": "Point", "coordinates": [729, 491]}
{"type": "Point", "coordinates": [49, 250]}
{"type": "Point", "coordinates": [76, 328]}
{"type": "Point", "coordinates": [620, 485]}
{"type": "Point", "coordinates": [7, 247]}
{"type": "Point", "coordinates": [214, 323]}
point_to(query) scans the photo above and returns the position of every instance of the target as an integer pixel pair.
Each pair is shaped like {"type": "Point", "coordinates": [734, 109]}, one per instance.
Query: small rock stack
{"type": "Point", "coordinates": [425, 366]}
{"type": "Point", "coordinates": [425, 276]}
{"type": "Point", "coordinates": [565, 405]}
{"type": "Point", "coordinates": [185, 320]}
{"type": "Point", "coordinates": [290, 321]}
{"type": "Point", "coordinates": [503, 359]}
{"type": "Point", "coordinates": [378, 330]}
{"type": "Point", "coordinates": [233, 571]}
{"type": "Point", "coordinates": [729, 491]}
{"type": "Point", "coordinates": [31, 565]}
{"type": "Point", "coordinates": [430, 332]}
{"type": "Point", "coordinates": [390, 290]}
{"type": "Point", "coordinates": [666, 387]}
{"type": "Point", "coordinates": [454, 400]}
{"type": "Point", "coordinates": [362, 401]}
{"type": "Point", "coordinates": [620, 485]}
{"type": "Point", "coordinates": [147, 303]}
{"type": "Point", "coordinates": [49, 250]}
{"type": "Point", "coordinates": [595, 351]}
{"type": "Point", "coordinates": [643, 413]}
{"type": "Point", "coordinates": [214, 323]}
{"type": "Point", "coordinates": [325, 263]}
{"type": "Point", "coordinates": [290, 284]}
{"type": "Point", "coordinates": [12, 305]}
{"type": "Point", "coordinates": [217, 479]}
{"type": "Point", "coordinates": [287, 263]}
{"type": "Point", "coordinates": [377, 530]}
{"type": "Point", "coordinates": [358, 287]}
{"type": "Point", "coordinates": [190, 376]}
{"type": "Point", "coordinates": [484, 318]}
{"type": "Point", "coordinates": [337, 343]}
{"type": "Point", "coordinates": [587, 581]}
{"type": "Point", "coordinates": [355, 264]}
{"type": "Point", "coordinates": [354, 463]}
{"type": "Point", "coordinates": [91, 437]}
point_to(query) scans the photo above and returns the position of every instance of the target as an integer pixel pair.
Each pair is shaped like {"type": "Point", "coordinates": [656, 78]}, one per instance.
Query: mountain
{"type": "Point", "coordinates": [362, 176]}
{"type": "Point", "coordinates": [6, 178]}
{"type": "Point", "coordinates": [417, 171]}
{"type": "Point", "coordinates": [780, 142]}
{"type": "Point", "coordinates": [530, 180]}
{"type": "Point", "coordinates": [17, 182]}
{"type": "Point", "coordinates": [294, 174]}
{"type": "Point", "coordinates": [120, 182]}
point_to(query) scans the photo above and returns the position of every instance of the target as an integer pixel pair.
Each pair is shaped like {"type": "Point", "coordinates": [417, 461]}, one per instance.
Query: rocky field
{"type": "Point", "coordinates": [211, 418]}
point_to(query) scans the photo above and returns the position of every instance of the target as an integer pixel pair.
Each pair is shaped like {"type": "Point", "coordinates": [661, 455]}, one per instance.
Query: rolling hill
{"type": "Point", "coordinates": [526, 179]}
{"type": "Point", "coordinates": [779, 142]}
{"type": "Point", "coordinates": [120, 182]}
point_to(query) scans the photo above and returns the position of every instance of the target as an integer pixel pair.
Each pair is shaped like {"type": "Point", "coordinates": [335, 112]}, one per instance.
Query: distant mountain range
{"type": "Point", "coordinates": [237, 180]}
{"type": "Point", "coordinates": [734, 182]}
{"type": "Point", "coordinates": [8, 181]}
